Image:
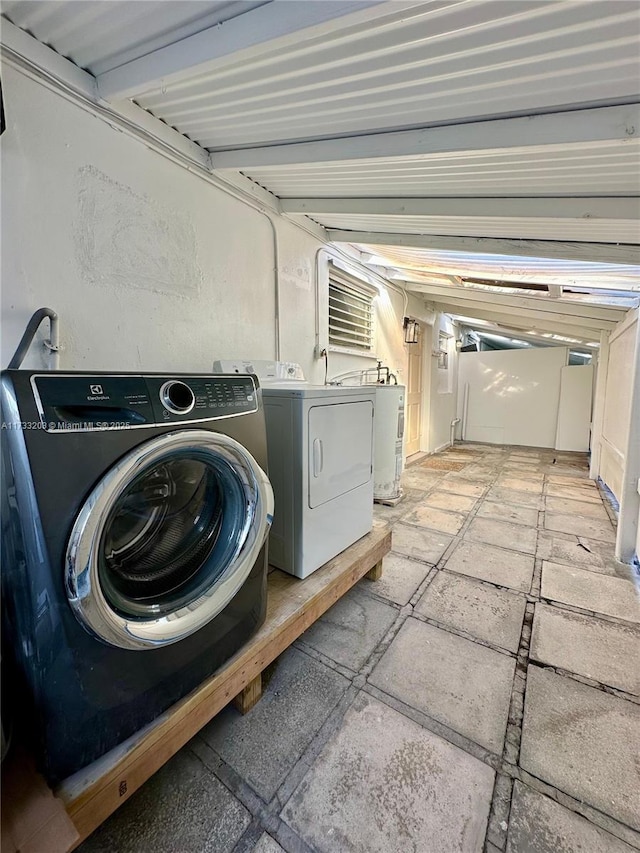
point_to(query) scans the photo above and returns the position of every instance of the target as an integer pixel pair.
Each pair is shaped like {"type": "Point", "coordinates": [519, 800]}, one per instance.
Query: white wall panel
{"type": "Point", "coordinates": [513, 395]}
{"type": "Point", "coordinates": [574, 413]}
{"type": "Point", "coordinates": [617, 408]}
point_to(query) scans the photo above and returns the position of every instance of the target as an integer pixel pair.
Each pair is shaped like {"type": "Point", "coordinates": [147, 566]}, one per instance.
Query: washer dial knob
{"type": "Point", "coordinates": [177, 397]}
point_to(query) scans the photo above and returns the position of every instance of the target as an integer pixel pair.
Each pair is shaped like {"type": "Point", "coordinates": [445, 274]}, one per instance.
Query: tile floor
{"type": "Point", "coordinates": [482, 696]}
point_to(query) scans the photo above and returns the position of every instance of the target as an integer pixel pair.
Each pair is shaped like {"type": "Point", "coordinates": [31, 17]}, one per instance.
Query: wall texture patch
{"type": "Point", "coordinates": [126, 240]}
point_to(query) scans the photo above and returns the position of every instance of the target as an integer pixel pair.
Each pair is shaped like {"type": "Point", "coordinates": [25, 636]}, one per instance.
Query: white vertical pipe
{"type": "Point", "coordinates": [465, 408]}
{"type": "Point", "coordinates": [630, 498]}
{"type": "Point", "coordinates": [598, 408]}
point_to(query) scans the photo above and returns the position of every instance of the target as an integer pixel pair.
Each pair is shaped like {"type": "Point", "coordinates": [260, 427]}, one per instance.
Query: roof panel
{"type": "Point", "coordinates": [585, 274]}
{"type": "Point", "coordinates": [605, 168]}
{"type": "Point", "coordinates": [436, 63]}
{"type": "Point", "coordinates": [101, 34]}
{"type": "Point", "coordinates": [518, 228]}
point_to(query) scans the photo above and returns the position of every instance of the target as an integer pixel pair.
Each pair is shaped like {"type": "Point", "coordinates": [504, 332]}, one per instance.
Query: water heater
{"type": "Point", "coordinates": [388, 432]}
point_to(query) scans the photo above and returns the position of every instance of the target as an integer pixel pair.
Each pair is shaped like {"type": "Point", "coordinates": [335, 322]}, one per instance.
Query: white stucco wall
{"type": "Point", "coordinates": [148, 266]}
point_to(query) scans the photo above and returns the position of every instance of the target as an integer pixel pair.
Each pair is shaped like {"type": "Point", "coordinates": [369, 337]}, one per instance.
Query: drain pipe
{"type": "Point", "coordinates": [276, 280]}
{"type": "Point", "coordinates": [52, 343]}
{"type": "Point", "coordinates": [452, 436]}
{"type": "Point", "coordinates": [465, 410]}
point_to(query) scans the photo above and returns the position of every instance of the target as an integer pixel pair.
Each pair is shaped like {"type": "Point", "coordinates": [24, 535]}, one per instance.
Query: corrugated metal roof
{"type": "Point", "coordinates": [408, 65]}
{"type": "Point", "coordinates": [101, 34]}
{"type": "Point", "coordinates": [502, 267]}
{"type": "Point", "coordinates": [608, 168]}
{"type": "Point", "coordinates": [520, 228]}
{"type": "Point", "coordinates": [438, 62]}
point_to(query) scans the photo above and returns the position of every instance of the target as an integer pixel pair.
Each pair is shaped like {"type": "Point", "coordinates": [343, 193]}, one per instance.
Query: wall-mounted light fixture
{"type": "Point", "coordinates": [411, 330]}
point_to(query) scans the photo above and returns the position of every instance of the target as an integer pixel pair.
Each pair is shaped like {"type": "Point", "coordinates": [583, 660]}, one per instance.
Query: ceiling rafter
{"type": "Point", "coordinates": [625, 254]}
{"type": "Point", "coordinates": [615, 208]}
{"type": "Point", "coordinates": [526, 315]}
{"type": "Point", "coordinates": [562, 307]}
{"type": "Point", "coordinates": [531, 134]}
{"type": "Point", "coordinates": [583, 333]}
{"type": "Point", "coordinates": [538, 338]}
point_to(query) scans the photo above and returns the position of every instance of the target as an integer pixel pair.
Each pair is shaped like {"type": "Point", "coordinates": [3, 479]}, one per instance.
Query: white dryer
{"type": "Point", "coordinates": [320, 452]}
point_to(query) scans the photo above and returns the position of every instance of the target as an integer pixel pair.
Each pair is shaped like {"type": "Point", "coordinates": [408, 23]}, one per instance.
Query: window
{"type": "Point", "coordinates": [350, 311]}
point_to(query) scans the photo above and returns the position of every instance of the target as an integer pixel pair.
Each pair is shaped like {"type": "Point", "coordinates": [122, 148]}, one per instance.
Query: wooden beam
{"type": "Point", "coordinates": [600, 252]}
{"type": "Point", "coordinates": [620, 209]}
{"type": "Point", "coordinates": [531, 134]}
{"type": "Point", "coordinates": [249, 696]}
{"type": "Point", "coordinates": [375, 573]}
{"type": "Point", "coordinates": [272, 26]}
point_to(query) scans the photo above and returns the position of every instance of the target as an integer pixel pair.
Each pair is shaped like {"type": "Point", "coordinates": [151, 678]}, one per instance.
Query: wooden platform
{"type": "Point", "coordinates": [293, 605]}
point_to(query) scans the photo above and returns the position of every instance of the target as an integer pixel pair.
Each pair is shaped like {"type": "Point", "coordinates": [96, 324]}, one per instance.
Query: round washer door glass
{"type": "Point", "coordinates": [167, 538]}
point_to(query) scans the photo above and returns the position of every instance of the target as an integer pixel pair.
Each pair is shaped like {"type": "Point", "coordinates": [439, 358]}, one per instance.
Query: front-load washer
{"type": "Point", "coordinates": [320, 444]}
{"type": "Point", "coordinates": [135, 515]}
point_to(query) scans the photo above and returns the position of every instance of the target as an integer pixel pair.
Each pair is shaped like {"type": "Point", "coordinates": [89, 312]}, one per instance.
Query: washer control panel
{"type": "Point", "coordinates": [82, 402]}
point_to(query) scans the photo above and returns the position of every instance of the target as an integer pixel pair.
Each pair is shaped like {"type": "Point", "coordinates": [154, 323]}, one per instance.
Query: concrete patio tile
{"type": "Point", "coordinates": [422, 479]}
{"type": "Point", "coordinates": [584, 742]}
{"type": "Point", "coordinates": [590, 591]}
{"type": "Point", "coordinates": [509, 512]}
{"type": "Point", "coordinates": [566, 549]}
{"type": "Point", "coordinates": [435, 519]}
{"type": "Point", "coordinates": [571, 472]}
{"type": "Point", "coordinates": [400, 579]}
{"type": "Point", "coordinates": [456, 681]}
{"type": "Point", "coordinates": [458, 456]}
{"type": "Point", "coordinates": [462, 487]}
{"type": "Point", "coordinates": [521, 463]}
{"type": "Point", "coordinates": [266, 844]}
{"type": "Point", "coordinates": [511, 497]}
{"type": "Point", "coordinates": [449, 500]}
{"type": "Point", "coordinates": [576, 493]}
{"type": "Point", "coordinates": [349, 632]}
{"type": "Point", "coordinates": [604, 651]}
{"type": "Point", "coordinates": [495, 565]}
{"type": "Point", "coordinates": [538, 824]}
{"type": "Point", "coordinates": [182, 807]}
{"type": "Point", "coordinates": [522, 484]}
{"type": "Point", "coordinates": [504, 535]}
{"type": "Point", "coordinates": [592, 528]}
{"type": "Point", "coordinates": [576, 480]}
{"type": "Point", "coordinates": [391, 514]}
{"type": "Point", "coordinates": [265, 744]}
{"type": "Point", "coordinates": [383, 784]}
{"type": "Point", "coordinates": [490, 614]}
{"type": "Point", "coordinates": [476, 473]}
{"type": "Point", "coordinates": [419, 544]}
{"type": "Point", "coordinates": [571, 507]}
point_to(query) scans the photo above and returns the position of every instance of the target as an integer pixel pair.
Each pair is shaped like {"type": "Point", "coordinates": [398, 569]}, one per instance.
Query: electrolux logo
{"type": "Point", "coordinates": [97, 393]}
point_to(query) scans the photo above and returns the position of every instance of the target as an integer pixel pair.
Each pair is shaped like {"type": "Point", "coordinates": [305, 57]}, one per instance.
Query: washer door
{"type": "Point", "coordinates": [167, 538]}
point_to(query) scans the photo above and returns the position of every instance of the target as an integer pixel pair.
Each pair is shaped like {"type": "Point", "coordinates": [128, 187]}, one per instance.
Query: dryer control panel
{"type": "Point", "coordinates": [82, 402]}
